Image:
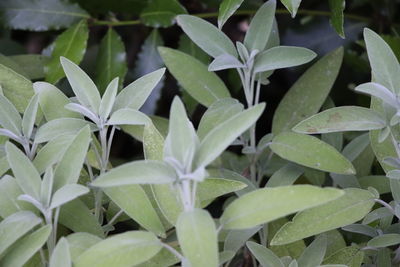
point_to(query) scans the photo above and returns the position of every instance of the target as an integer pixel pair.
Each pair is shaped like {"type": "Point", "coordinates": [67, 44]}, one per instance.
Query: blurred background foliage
{"type": "Point", "coordinates": [120, 38]}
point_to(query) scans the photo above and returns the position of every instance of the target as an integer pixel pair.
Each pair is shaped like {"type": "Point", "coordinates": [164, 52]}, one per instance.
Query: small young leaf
{"type": "Point", "coordinates": [349, 208]}
{"type": "Point", "coordinates": [282, 57]}
{"type": "Point", "coordinates": [161, 13]}
{"type": "Point", "coordinates": [128, 116]}
{"type": "Point", "coordinates": [226, 9]}
{"type": "Point", "coordinates": [264, 255]}
{"type": "Point", "coordinates": [260, 27]}
{"type": "Point", "coordinates": [246, 211]}
{"type": "Point", "coordinates": [9, 116]}
{"type": "Point", "coordinates": [217, 42]}
{"type": "Point", "coordinates": [70, 44]}
{"type": "Point", "coordinates": [28, 120]}
{"type": "Point", "coordinates": [108, 99]}
{"type": "Point", "coordinates": [292, 6]}
{"type": "Point", "coordinates": [61, 256]}
{"type": "Point", "coordinates": [341, 119]}
{"type": "Point", "coordinates": [204, 86]}
{"type": "Point", "coordinates": [67, 193]}
{"type": "Point", "coordinates": [225, 61]}
{"type": "Point", "coordinates": [83, 87]}
{"type": "Point", "coordinates": [111, 60]}
{"type": "Point", "coordinates": [84, 111]}
{"type": "Point", "coordinates": [379, 91]}
{"type": "Point", "coordinates": [137, 172]}
{"type": "Point", "coordinates": [46, 188]}
{"type": "Point", "coordinates": [337, 17]}
{"type": "Point", "coordinates": [197, 237]}
{"type": "Point", "coordinates": [311, 152]}
{"type": "Point", "coordinates": [127, 249]}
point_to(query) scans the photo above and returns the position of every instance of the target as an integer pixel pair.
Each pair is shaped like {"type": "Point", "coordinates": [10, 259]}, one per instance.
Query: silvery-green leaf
{"type": "Point", "coordinates": [24, 171]}
{"type": "Point", "coordinates": [78, 108]}
{"type": "Point", "coordinates": [197, 237]}
{"type": "Point", "coordinates": [356, 146]}
{"type": "Point", "coordinates": [66, 194]}
{"type": "Point", "coordinates": [225, 61]}
{"type": "Point", "coordinates": [393, 174]}
{"type": "Point", "coordinates": [384, 240]}
{"type": "Point", "coordinates": [383, 134]}
{"type": "Point", "coordinates": [292, 6]}
{"type": "Point", "coordinates": [384, 64]}
{"type": "Point", "coordinates": [79, 242]}
{"type": "Point", "coordinates": [361, 229]}
{"type": "Point", "coordinates": [9, 116]}
{"type": "Point", "coordinates": [340, 119]}
{"type": "Point", "coordinates": [349, 208]}
{"type": "Point", "coordinates": [15, 226]}
{"type": "Point", "coordinates": [226, 9]}
{"type": "Point", "coordinates": [286, 175]}
{"type": "Point", "coordinates": [28, 120]}
{"type": "Point", "coordinates": [33, 201]}
{"type": "Point", "coordinates": [218, 139]}
{"type": "Point", "coordinates": [108, 99]}
{"type": "Point", "coordinates": [351, 256]}
{"type": "Point", "coordinates": [62, 126]}
{"type": "Point", "coordinates": [128, 116]}
{"type": "Point", "coordinates": [311, 152]}
{"type": "Point", "coordinates": [242, 50]}
{"type": "Point", "coordinates": [135, 94]}
{"type": "Point", "coordinates": [204, 86]}
{"type": "Point", "coordinates": [137, 172]}
{"type": "Point", "coordinates": [127, 249]}
{"type": "Point", "coordinates": [314, 254]}
{"type": "Point", "coordinates": [196, 28]}
{"type": "Point", "coordinates": [235, 239]}
{"type": "Point", "coordinates": [52, 101]}
{"type": "Point", "coordinates": [264, 255]}
{"type": "Point", "coordinates": [379, 91]}
{"type": "Point", "coordinates": [83, 87]}
{"type": "Point", "coordinates": [61, 256]}
{"type": "Point", "coordinates": [212, 188]}
{"type": "Point", "coordinates": [260, 27]}
{"type": "Point", "coordinates": [70, 165]}
{"type": "Point", "coordinates": [246, 211]}
{"type": "Point", "coordinates": [10, 134]}
{"type": "Point", "coordinates": [282, 57]}
{"type": "Point", "coordinates": [46, 187]}
{"type": "Point", "coordinates": [25, 248]}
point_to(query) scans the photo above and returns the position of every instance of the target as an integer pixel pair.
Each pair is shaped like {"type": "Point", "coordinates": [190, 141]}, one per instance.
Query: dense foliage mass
{"type": "Point", "coordinates": [90, 176]}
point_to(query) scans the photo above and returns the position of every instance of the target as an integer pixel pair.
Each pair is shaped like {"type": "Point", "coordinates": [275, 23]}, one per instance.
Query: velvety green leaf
{"type": "Point", "coordinates": [9, 116]}
{"type": "Point", "coordinates": [260, 27]}
{"type": "Point", "coordinates": [128, 116]}
{"type": "Point", "coordinates": [153, 143]}
{"type": "Point", "coordinates": [127, 249]}
{"type": "Point", "coordinates": [137, 172]}
{"type": "Point", "coordinates": [314, 254]}
{"type": "Point", "coordinates": [235, 239]}
{"type": "Point", "coordinates": [76, 216]}
{"type": "Point", "coordinates": [111, 60]}
{"type": "Point", "coordinates": [83, 87]}
{"type": "Point", "coordinates": [61, 256]}
{"type": "Point", "coordinates": [384, 64]}
{"type": "Point", "coordinates": [218, 139]}
{"type": "Point", "coordinates": [80, 242]}
{"type": "Point", "coordinates": [15, 226]}
{"type": "Point", "coordinates": [351, 256]}
{"type": "Point", "coordinates": [212, 188]}
{"type": "Point", "coordinates": [225, 61]}
{"type": "Point", "coordinates": [217, 42]}
{"type": "Point", "coordinates": [69, 168]}
{"type": "Point", "coordinates": [61, 126]}
{"type": "Point", "coordinates": [132, 199]}
{"type": "Point", "coordinates": [168, 200]}
{"type": "Point", "coordinates": [351, 207]}
{"type": "Point", "coordinates": [24, 171]}
{"type": "Point", "coordinates": [26, 247]}
{"type": "Point", "coordinates": [135, 94]}
{"type": "Point", "coordinates": [311, 152]}
{"type": "Point", "coordinates": [226, 9]}
{"type": "Point", "coordinates": [108, 99]}
{"type": "Point", "coordinates": [161, 13]}
{"type": "Point", "coordinates": [282, 57]}
{"type": "Point", "coordinates": [52, 102]}
{"type": "Point", "coordinates": [40, 15]}
{"type": "Point", "coordinates": [310, 88]}
{"type": "Point", "coordinates": [340, 119]}
{"type": "Point", "coordinates": [286, 175]}
{"type": "Point", "coordinates": [379, 91]}
{"type": "Point", "coordinates": [264, 255]}
{"type": "Point", "coordinates": [292, 6]}
{"type": "Point", "coordinates": [378, 182]}
{"type": "Point", "coordinates": [247, 212]}
{"type": "Point", "coordinates": [15, 87]}
{"type": "Point", "coordinates": [28, 120]}
{"type": "Point", "coordinates": [384, 240]}
{"type": "Point", "coordinates": [197, 237]}
{"type": "Point", "coordinates": [70, 44]}
{"type": "Point", "coordinates": [337, 17]}
{"type": "Point", "coordinates": [204, 86]}
{"type": "Point", "coordinates": [31, 64]}
{"type": "Point", "coordinates": [67, 193]}
{"type": "Point", "coordinates": [187, 46]}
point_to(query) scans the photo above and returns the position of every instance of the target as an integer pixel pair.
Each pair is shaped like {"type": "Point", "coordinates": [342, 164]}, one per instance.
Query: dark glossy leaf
{"type": "Point", "coordinates": [226, 9]}
{"type": "Point", "coordinates": [337, 17]}
{"type": "Point", "coordinates": [292, 6]}
{"type": "Point", "coordinates": [161, 13]}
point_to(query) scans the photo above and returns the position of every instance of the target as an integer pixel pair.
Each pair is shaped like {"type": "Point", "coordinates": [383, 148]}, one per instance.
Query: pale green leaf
{"type": "Point", "coordinates": [314, 254]}
{"type": "Point", "coordinates": [61, 256]}
{"type": "Point", "coordinates": [379, 91]}
{"type": "Point", "coordinates": [9, 116]}
{"type": "Point", "coordinates": [80, 242]}
{"type": "Point", "coordinates": [286, 175]}
{"type": "Point", "coordinates": [225, 61]}
{"type": "Point", "coordinates": [28, 120]}
{"type": "Point", "coordinates": [247, 212]}
{"type": "Point", "coordinates": [385, 240]}
{"type": "Point", "coordinates": [350, 256]}
{"type": "Point", "coordinates": [67, 193]}
{"type": "Point", "coordinates": [212, 188]}
{"type": "Point", "coordinates": [128, 116]}
{"type": "Point", "coordinates": [46, 188]}
{"type": "Point", "coordinates": [108, 99]}
{"type": "Point", "coordinates": [226, 9]}
{"type": "Point", "coordinates": [264, 255]}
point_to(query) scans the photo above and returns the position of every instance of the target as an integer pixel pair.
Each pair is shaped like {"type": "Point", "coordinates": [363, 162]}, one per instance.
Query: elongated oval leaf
{"type": "Point", "coordinates": [28, 120]}
{"type": "Point", "coordinates": [70, 44]}
{"type": "Point", "coordinates": [226, 9]}
{"type": "Point", "coordinates": [111, 60]}
{"type": "Point", "coordinates": [314, 254]}
{"type": "Point", "coordinates": [128, 116]}
{"type": "Point", "coordinates": [310, 88]}
{"type": "Point", "coordinates": [217, 42]}
{"type": "Point", "coordinates": [127, 249]}
{"type": "Point", "coordinates": [265, 256]}
{"type": "Point", "coordinates": [9, 116]}
{"type": "Point", "coordinates": [218, 139]}
{"type": "Point", "coordinates": [311, 152]}
{"type": "Point", "coordinates": [351, 207]}
{"type": "Point", "coordinates": [282, 57]}
{"type": "Point", "coordinates": [246, 211]}
{"type": "Point", "coordinates": [385, 240]}
{"type": "Point", "coordinates": [137, 172]}
{"type": "Point", "coordinates": [204, 86]}
{"type": "Point", "coordinates": [67, 193]}
{"type": "Point", "coordinates": [61, 256]}
{"type": "Point", "coordinates": [197, 237]}
{"type": "Point", "coordinates": [379, 91]}
{"type": "Point", "coordinates": [108, 99]}
{"type": "Point", "coordinates": [212, 188]}
{"type": "Point", "coordinates": [341, 119]}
